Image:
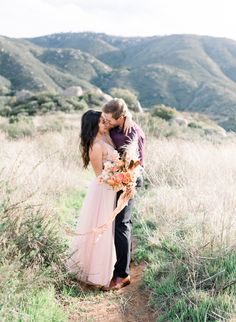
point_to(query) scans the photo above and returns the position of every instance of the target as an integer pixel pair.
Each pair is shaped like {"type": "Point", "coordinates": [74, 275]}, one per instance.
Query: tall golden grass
{"type": "Point", "coordinates": [190, 185]}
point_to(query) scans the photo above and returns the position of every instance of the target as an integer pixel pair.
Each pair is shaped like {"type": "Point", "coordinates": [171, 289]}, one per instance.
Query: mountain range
{"type": "Point", "coordinates": [188, 72]}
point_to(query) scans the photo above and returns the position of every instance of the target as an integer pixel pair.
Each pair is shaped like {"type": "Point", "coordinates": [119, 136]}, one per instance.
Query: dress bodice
{"type": "Point", "coordinates": [110, 153]}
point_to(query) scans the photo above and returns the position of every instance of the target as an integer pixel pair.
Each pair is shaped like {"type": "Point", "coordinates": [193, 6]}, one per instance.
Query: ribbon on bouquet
{"type": "Point", "coordinates": [123, 200]}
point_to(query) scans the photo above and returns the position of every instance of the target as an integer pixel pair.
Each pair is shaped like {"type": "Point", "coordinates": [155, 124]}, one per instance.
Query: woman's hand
{"type": "Point", "coordinates": [129, 124]}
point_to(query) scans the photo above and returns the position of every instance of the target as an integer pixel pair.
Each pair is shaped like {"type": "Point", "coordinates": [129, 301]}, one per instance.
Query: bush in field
{"type": "Point", "coordinates": [45, 97]}
{"type": "Point", "coordinates": [29, 234]}
{"type": "Point", "coordinates": [194, 125]}
{"type": "Point", "coordinates": [5, 110]}
{"type": "Point", "coordinates": [19, 127]}
{"type": "Point", "coordinates": [92, 99]}
{"type": "Point", "coordinates": [78, 103]}
{"type": "Point", "coordinates": [164, 112]}
{"type": "Point", "coordinates": [47, 107]}
{"type": "Point", "coordinates": [129, 97]}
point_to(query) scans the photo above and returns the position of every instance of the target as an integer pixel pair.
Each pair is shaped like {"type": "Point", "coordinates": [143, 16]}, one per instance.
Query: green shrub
{"type": "Point", "coordinates": [164, 112]}
{"type": "Point", "coordinates": [43, 306]}
{"type": "Point", "coordinates": [25, 295]}
{"type": "Point", "coordinates": [47, 107]}
{"type": "Point", "coordinates": [194, 125]}
{"type": "Point", "coordinates": [92, 99]}
{"type": "Point", "coordinates": [189, 288]}
{"type": "Point", "coordinates": [55, 126]}
{"type": "Point", "coordinates": [129, 97]}
{"type": "Point", "coordinates": [29, 235]}
{"type": "Point", "coordinates": [45, 97]}
{"type": "Point", "coordinates": [5, 110]}
{"type": "Point", "coordinates": [19, 129]}
{"type": "Point", "coordinates": [32, 263]}
{"type": "Point", "coordinates": [78, 103]}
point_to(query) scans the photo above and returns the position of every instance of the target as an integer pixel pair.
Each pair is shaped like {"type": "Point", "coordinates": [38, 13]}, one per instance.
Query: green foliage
{"type": "Point", "coordinates": [69, 206]}
{"type": "Point", "coordinates": [37, 240]}
{"type": "Point", "coordinates": [129, 97]}
{"type": "Point", "coordinates": [194, 125]}
{"type": "Point", "coordinates": [19, 127]}
{"type": "Point", "coordinates": [184, 287]}
{"type": "Point", "coordinates": [93, 99]}
{"type": "Point", "coordinates": [5, 86]}
{"type": "Point", "coordinates": [53, 126]}
{"type": "Point", "coordinates": [88, 42]}
{"type": "Point", "coordinates": [200, 306]}
{"type": "Point", "coordinates": [164, 112]}
{"type": "Point", "coordinates": [33, 257]}
{"type": "Point", "coordinates": [180, 77]}
{"type": "Point", "coordinates": [5, 109]}
{"type": "Point", "coordinates": [45, 102]}
{"type": "Point", "coordinates": [186, 284]}
{"type": "Point", "coordinates": [26, 296]}
{"type": "Point", "coordinates": [43, 306]}
{"type": "Point", "coordinates": [74, 62]}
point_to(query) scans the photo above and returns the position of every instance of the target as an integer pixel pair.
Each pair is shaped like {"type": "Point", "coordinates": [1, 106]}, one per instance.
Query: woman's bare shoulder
{"type": "Point", "coordinates": [96, 148]}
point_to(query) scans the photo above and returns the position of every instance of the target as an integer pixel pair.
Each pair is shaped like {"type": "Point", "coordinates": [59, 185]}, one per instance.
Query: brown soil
{"type": "Point", "coordinates": [130, 304]}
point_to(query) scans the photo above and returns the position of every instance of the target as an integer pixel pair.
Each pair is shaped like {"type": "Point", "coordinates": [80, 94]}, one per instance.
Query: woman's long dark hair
{"type": "Point", "coordinates": [89, 129]}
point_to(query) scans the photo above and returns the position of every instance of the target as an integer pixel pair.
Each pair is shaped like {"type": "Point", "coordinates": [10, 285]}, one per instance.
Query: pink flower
{"type": "Point", "coordinates": [127, 178]}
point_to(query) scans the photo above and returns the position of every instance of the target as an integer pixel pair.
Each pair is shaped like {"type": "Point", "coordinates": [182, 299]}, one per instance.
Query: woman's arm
{"type": "Point", "coordinates": [95, 156]}
{"type": "Point", "coordinates": [129, 124]}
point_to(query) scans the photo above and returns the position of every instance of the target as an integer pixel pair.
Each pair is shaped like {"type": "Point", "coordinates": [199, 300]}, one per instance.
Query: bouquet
{"type": "Point", "coordinates": [121, 174]}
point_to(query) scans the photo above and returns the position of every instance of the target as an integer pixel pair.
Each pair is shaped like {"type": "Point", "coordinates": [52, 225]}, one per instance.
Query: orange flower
{"type": "Point", "coordinates": [127, 177]}
{"type": "Point", "coordinates": [111, 182]}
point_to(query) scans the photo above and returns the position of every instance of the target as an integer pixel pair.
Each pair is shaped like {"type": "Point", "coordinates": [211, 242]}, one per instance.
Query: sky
{"type": "Point", "coordinates": [31, 18]}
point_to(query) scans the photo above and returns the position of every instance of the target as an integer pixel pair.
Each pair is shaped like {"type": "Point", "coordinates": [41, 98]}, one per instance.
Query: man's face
{"type": "Point", "coordinates": [110, 121]}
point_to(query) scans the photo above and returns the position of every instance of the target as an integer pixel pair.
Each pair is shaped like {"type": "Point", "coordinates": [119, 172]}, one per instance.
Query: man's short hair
{"type": "Point", "coordinates": [117, 107]}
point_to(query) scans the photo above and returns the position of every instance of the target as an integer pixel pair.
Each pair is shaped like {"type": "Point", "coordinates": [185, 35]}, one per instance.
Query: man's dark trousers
{"type": "Point", "coordinates": [123, 241]}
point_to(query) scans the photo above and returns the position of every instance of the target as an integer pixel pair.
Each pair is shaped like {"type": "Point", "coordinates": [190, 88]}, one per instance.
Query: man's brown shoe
{"type": "Point", "coordinates": [117, 283]}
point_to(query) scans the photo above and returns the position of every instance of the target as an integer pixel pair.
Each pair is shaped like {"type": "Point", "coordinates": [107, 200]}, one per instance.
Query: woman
{"type": "Point", "coordinates": [93, 254]}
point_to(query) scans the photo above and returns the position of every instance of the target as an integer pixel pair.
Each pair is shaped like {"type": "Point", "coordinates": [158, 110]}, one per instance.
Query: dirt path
{"type": "Point", "coordinates": [130, 304]}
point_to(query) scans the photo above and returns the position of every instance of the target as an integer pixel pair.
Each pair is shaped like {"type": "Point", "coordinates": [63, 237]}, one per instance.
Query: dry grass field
{"type": "Point", "coordinates": [184, 223]}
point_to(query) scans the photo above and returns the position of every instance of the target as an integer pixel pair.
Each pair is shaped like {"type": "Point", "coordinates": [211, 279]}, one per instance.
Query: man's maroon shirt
{"type": "Point", "coordinates": [120, 139]}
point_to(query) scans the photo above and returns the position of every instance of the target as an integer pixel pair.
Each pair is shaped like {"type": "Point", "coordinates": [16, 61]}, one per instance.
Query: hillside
{"type": "Point", "coordinates": [188, 72]}
{"type": "Point", "coordinates": [26, 66]}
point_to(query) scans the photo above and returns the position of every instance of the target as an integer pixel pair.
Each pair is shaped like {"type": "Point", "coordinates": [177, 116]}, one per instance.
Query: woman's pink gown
{"type": "Point", "coordinates": [93, 255]}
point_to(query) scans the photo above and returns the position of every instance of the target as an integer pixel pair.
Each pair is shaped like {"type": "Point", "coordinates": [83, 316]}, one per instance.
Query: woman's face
{"type": "Point", "coordinates": [103, 128]}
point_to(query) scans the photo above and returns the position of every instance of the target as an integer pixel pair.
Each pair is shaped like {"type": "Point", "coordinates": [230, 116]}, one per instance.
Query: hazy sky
{"type": "Point", "coordinates": [27, 18]}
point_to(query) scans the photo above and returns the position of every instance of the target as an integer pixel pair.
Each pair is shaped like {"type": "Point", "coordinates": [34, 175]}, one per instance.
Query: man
{"type": "Point", "coordinates": [115, 113]}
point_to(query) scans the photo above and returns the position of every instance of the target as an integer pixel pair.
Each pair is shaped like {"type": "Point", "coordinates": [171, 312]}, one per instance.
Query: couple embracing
{"type": "Point", "coordinates": [104, 260]}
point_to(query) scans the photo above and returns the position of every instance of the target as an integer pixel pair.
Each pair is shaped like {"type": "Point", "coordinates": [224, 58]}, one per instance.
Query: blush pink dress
{"type": "Point", "coordinates": [93, 255]}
